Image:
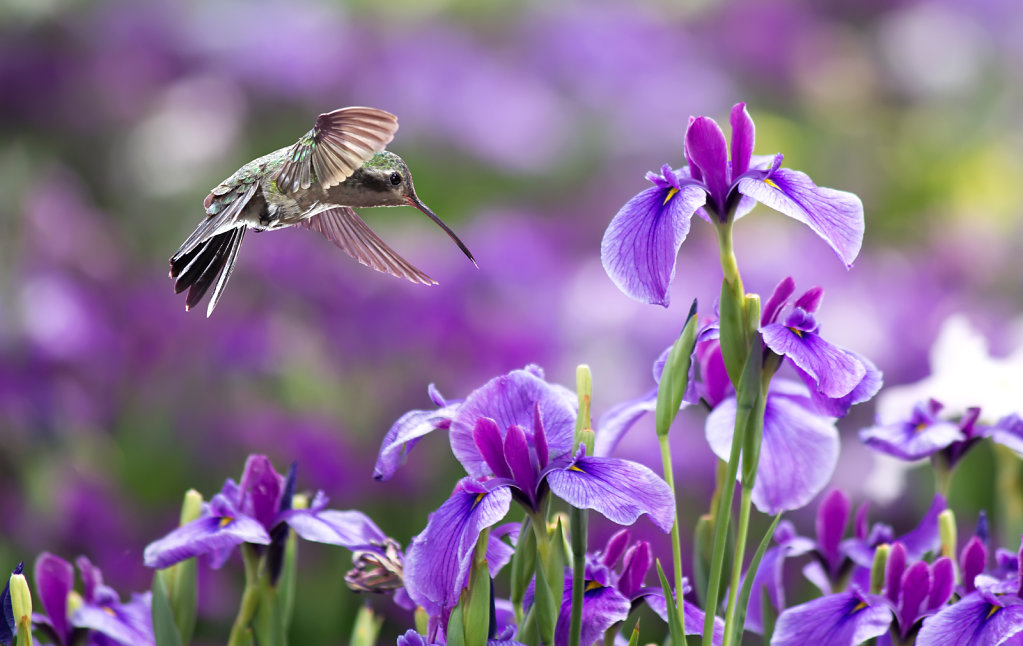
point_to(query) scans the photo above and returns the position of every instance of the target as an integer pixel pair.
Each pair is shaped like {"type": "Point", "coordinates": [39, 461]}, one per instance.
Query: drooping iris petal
{"type": "Point", "coordinates": [510, 400]}
{"type": "Point", "coordinates": [640, 245]}
{"type": "Point", "coordinates": [54, 579]}
{"type": "Point", "coordinates": [352, 529]}
{"type": "Point", "coordinates": [798, 452]}
{"type": "Point", "coordinates": [743, 136]}
{"type": "Point", "coordinates": [843, 619]}
{"type": "Point", "coordinates": [221, 527]}
{"type": "Point", "coordinates": [603, 607]}
{"type": "Point", "coordinates": [839, 406]}
{"type": "Point", "coordinates": [911, 439]}
{"type": "Point", "coordinates": [437, 561]}
{"type": "Point", "coordinates": [707, 150]}
{"type": "Point", "coordinates": [694, 617]}
{"type": "Point", "coordinates": [129, 624]}
{"type": "Point", "coordinates": [835, 372]}
{"type": "Point", "coordinates": [405, 433]}
{"type": "Point", "coordinates": [621, 490]}
{"type": "Point", "coordinates": [618, 419]}
{"type": "Point", "coordinates": [1008, 431]}
{"type": "Point", "coordinates": [835, 216]}
{"type": "Point", "coordinates": [974, 620]}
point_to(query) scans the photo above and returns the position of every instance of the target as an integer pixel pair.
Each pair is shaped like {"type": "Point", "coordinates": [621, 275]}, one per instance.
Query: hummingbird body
{"type": "Point", "coordinates": [339, 164]}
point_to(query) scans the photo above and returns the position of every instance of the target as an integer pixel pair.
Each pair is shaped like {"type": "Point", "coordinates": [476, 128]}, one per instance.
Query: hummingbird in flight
{"type": "Point", "coordinates": [316, 183]}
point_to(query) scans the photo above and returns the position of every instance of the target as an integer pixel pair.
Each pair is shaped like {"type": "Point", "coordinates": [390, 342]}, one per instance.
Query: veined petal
{"type": "Point", "coordinates": [618, 419]}
{"type": "Point", "coordinates": [510, 400]}
{"type": "Point", "coordinates": [54, 579]}
{"type": "Point", "coordinates": [129, 624]}
{"type": "Point", "coordinates": [603, 607]}
{"type": "Point", "coordinates": [640, 245]}
{"type": "Point", "coordinates": [220, 528]}
{"type": "Point", "coordinates": [708, 151]}
{"type": "Point", "coordinates": [835, 216]}
{"type": "Point", "coordinates": [843, 619]}
{"type": "Point", "coordinates": [835, 372]}
{"type": "Point", "coordinates": [352, 529]}
{"type": "Point", "coordinates": [865, 390]}
{"type": "Point", "coordinates": [974, 620]}
{"type": "Point", "coordinates": [437, 561]}
{"type": "Point", "coordinates": [799, 450]}
{"type": "Point", "coordinates": [743, 136]}
{"type": "Point", "coordinates": [693, 615]}
{"type": "Point", "coordinates": [621, 490]}
{"type": "Point", "coordinates": [406, 432]}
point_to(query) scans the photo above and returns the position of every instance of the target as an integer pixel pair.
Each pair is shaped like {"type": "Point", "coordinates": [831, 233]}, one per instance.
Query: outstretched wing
{"type": "Point", "coordinates": [340, 142]}
{"type": "Point", "coordinates": [342, 226]}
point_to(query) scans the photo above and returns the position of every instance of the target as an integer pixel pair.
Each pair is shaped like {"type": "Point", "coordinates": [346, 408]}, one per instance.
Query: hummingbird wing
{"type": "Point", "coordinates": [339, 143]}
{"type": "Point", "coordinates": [343, 226]}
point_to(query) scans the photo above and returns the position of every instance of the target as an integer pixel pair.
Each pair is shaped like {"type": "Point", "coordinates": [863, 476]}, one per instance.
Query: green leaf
{"type": "Point", "coordinates": [703, 546]}
{"type": "Point", "coordinates": [268, 624]}
{"type": "Point", "coordinates": [546, 608]}
{"type": "Point", "coordinates": [578, 574]}
{"type": "Point", "coordinates": [678, 637]}
{"type": "Point", "coordinates": [634, 639]}
{"type": "Point", "coordinates": [675, 378]}
{"type": "Point", "coordinates": [747, 585]}
{"type": "Point", "coordinates": [286, 582]}
{"type": "Point", "coordinates": [768, 616]}
{"type": "Point", "coordinates": [165, 628]}
{"type": "Point", "coordinates": [522, 564]}
{"type": "Point", "coordinates": [456, 633]}
{"type": "Point", "coordinates": [476, 611]}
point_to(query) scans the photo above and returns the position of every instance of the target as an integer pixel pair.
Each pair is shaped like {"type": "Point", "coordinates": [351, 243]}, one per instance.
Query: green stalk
{"type": "Point", "coordinates": [578, 518]}
{"type": "Point", "coordinates": [250, 600]}
{"type": "Point", "coordinates": [740, 553]}
{"type": "Point", "coordinates": [676, 539]}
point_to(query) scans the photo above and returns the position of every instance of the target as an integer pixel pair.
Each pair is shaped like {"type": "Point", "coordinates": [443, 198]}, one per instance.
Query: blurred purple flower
{"type": "Point", "coordinates": [978, 619]}
{"type": "Point", "coordinates": [251, 513]}
{"type": "Point", "coordinates": [640, 245]}
{"type": "Point", "coordinates": [921, 436]}
{"type": "Point", "coordinates": [101, 615]}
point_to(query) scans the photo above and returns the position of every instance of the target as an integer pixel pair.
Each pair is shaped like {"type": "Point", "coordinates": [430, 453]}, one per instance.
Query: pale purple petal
{"type": "Point", "coordinates": [839, 406]}
{"type": "Point", "coordinates": [129, 623]}
{"type": "Point", "coordinates": [618, 419]}
{"type": "Point", "coordinates": [510, 400]}
{"type": "Point", "coordinates": [352, 529]}
{"type": "Point", "coordinates": [499, 553]}
{"type": "Point", "coordinates": [908, 441]}
{"type": "Point", "coordinates": [972, 621]}
{"type": "Point", "coordinates": [640, 245]}
{"type": "Point", "coordinates": [798, 453]}
{"type": "Point", "coordinates": [406, 432]}
{"type": "Point", "coordinates": [708, 151]}
{"type": "Point", "coordinates": [742, 139]}
{"type": "Point", "coordinates": [843, 619]}
{"type": "Point", "coordinates": [1008, 431]}
{"type": "Point", "coordinates": [694, 616]}
{"type": "Point", "coordinates": [835, 372]}
{"type": "Point", "coordinates": [836, 216]}
{"type": "Point", "coordinates": [621, 490]}
{"type": "Point", "coordinates": [54, 579]}
{"type": "Point", "coordinates": [220, 528]}
{"type": "Point", "coordinates": [437, 561]}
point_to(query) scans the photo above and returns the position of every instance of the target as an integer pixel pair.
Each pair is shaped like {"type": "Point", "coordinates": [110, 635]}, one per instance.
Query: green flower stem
{"type": "Point", "coordinates": [729, 265]}
{"type": "Point", "coordinates": [578, 520]}
{"type": "Point", "coordinates": [250, 599]}
{"type": "Point", "coordinates": [543, 543]}
{"type": "Point", "coordinates": [676, 540]}
{"type": "Point", "coordinates": [740, 554]}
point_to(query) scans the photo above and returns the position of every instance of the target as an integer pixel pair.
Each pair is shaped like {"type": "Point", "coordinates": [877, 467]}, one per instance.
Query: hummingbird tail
{"type": "Point", "coordinates": [211, 260]}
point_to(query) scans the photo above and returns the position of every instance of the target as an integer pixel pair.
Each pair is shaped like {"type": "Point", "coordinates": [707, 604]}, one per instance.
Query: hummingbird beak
{"type": "Point", "coordinates": [413, 200]}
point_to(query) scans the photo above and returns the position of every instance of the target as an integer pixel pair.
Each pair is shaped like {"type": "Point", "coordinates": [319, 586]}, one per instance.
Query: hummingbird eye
{"type": "Point", "coordinates": [395, 178]}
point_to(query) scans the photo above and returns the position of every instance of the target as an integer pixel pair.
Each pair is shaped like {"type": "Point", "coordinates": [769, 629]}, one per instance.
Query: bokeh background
{"type": "Point", "coordinates": [527, 125]}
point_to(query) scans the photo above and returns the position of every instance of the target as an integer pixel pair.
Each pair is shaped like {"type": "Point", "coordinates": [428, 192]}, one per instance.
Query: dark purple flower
{"type": "Point", "coordinates": [101, 614]}
{"type": "Point", "coordinates": [844, 619]}
{"type": "Point", "coordinates": [514, 437]}
{"type": "Point", "coordinates": [916, 590]}
{"type": "Point", "coordinates": [921, 436]}
{"type": "Point", "coordinates": [249, 513]}
{"type": "Point", "coordinates": [978, 619]}
{"type": "Point", "coordinates": [640, 245]}
{"type": "Point", "coordinates": [922, 539]}
{"type": "Point", "coordinates": [412, 638]}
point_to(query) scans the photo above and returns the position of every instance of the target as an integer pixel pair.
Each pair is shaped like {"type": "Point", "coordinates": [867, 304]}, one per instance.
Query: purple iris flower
{"type": "Point", "coordinates": [412, 638]}
{"type": "Point", "coordinates": [921, 436]}
{"type": "Point", "coordinates": [845, 619]}
{"type": "Point", "coordinates": [253, 512]}
{"type": "Point", "coordinates": [837, 378]}
{"type": "Point", "coordinates": [640, 245]}
{"type": "Point", "coordinates": [514, 437]}
{"type": "Point", "coordinates": [101, 616]}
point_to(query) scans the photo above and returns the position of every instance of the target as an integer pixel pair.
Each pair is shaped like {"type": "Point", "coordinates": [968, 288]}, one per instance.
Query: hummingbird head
{"type": "Point", "coordinates": [385, 180]}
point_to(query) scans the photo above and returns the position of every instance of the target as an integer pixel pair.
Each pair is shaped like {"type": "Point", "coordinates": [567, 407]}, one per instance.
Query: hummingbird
{"type": "Point", "coordinates": [315, 183]}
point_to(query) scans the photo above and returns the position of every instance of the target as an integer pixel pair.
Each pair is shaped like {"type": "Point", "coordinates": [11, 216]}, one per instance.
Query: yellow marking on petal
{"type": "Point", "coordinates": [225, 521]}
{"type": "Point", "coordinates": [919, 428]}
{"type": "Point", "coordinates": [575, 468]}
{"type": "Point", "coordinates": [859, 606]}
{"type": "Point", "coordinates": [798, 333]}
{"type": "Point", "coordinates": [993, 610]}
{"type": "Point", "coordinates": [671, 194]}
{"type": "Point", "coordinates": [109, 611]}
{"type": "Point", "coordinates": [479, 497]}
{"type": "Point", "coordinates": [770, 182]}
{"type": "Point", "coordinates": [593, 585]}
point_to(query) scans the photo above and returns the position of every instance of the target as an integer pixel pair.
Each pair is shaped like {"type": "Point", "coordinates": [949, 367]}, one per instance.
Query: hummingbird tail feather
{"type": "Point", "coordinates": [197, 269]}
